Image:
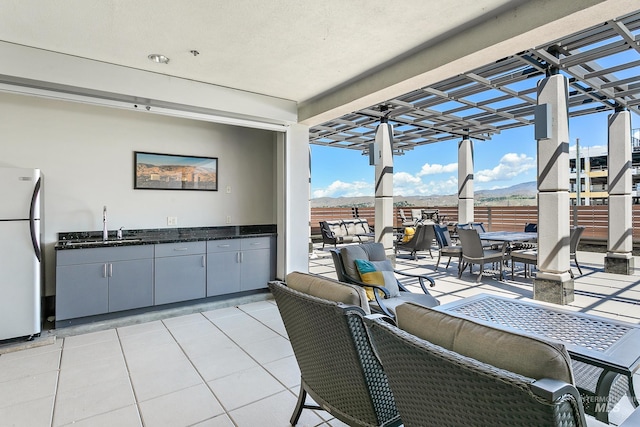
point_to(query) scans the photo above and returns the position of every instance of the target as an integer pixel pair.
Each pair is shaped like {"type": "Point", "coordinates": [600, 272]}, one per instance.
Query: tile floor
{"type": "Point", "coordinates": [230, 366]}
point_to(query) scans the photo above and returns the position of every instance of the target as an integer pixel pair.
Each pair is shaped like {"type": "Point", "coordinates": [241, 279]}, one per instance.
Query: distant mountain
{"type": "Point", "coordinates": [518, 195]}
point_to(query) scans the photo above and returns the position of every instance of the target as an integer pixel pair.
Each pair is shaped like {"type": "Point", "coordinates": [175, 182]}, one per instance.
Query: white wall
{"type": "Point", "coordinates": [86, 155]}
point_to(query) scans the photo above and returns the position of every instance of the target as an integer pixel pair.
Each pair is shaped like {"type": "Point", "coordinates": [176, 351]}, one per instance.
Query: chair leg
{"type": "Point", "coordinates": [481, 271]}
{"type": "Point", "coordinates": [438, 262]}
{"type": "Point", "coordinates": [578, 265]}
{"type": "Point", "coordinates": [302, 396]}
{"type": "Point", "coordinates": [461, 268]}
{"type": "Point", "coordinates": [450, 262]}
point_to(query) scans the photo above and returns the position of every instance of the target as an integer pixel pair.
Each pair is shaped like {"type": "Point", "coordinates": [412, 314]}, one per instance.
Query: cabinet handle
{"type": "Point", "coordinates": [104, 270]}
{"type": "Point", "coordinates": [241, 256]}
{"type": "Point", "coordinates": [238, 257]}
{"type": "Point", "coordinates": [110, 270]}
{"type": "Point", "coordinates": [203, 261]}
{"type": "Point", "coordinates": [256, 244]}
{"type": "Point", "coordinates": [223, 246]}
{"type": "Point", "coordinates": [181, 249]}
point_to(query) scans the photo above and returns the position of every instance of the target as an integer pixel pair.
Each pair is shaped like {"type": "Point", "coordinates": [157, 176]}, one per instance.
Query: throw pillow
{"type": "Point", "coordinates": [408, 234]}
{"type": "Point", "coordinates": [378, 273]}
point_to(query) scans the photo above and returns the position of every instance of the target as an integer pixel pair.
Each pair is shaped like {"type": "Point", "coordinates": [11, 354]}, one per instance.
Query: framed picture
{"type": "Point", "coordinates": [155, 171]}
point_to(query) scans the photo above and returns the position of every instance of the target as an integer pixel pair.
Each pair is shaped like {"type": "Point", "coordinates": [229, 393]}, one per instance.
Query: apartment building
{"type": "Point", "coordinates": [593, 173]}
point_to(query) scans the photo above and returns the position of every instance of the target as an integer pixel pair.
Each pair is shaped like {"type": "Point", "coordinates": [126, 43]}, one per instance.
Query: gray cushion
{"type": "Point", "coordinates": [532, 357]}
{"type": "Point", "coordinates": [368, 251]}
{"type": "Point", "coordinates": [328, 289]}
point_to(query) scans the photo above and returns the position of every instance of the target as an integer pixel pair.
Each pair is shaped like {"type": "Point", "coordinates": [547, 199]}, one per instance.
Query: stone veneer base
{"type": "Point", "coordinates": [553, 290]}
{"type": "Point", "coordinates": [617, 265]}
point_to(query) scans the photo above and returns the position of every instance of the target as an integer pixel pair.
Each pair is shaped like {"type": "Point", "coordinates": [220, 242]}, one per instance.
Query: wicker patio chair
{"type": "Point", "coordinates": [445, 388]}
{"type": "Point", "coordinates": [344, 260]}
{"type": "Point", "coordinates": [338, 367]}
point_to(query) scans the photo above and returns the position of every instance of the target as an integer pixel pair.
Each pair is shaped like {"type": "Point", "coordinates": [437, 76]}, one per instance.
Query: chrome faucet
{"type": "Point", "coordinates": [105, 232]}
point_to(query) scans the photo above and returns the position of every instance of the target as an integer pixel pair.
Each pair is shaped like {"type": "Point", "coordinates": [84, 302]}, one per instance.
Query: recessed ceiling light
{"type": "Point", "coordinates": [160, 59]}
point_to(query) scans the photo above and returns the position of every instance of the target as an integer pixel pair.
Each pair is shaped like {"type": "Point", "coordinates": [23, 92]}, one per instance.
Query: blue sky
{"type": "Point", "coordinates": [507, 159]}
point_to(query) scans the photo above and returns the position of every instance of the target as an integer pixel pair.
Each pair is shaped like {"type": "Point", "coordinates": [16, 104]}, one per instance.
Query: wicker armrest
{"type": "Point", "coordinates": [552, 390]}
{"type": "Point", "coordinates": [421, 278]}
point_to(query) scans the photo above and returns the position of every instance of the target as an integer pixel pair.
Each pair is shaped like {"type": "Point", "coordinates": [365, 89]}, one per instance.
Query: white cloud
{"type": "Point", "coordinates": [428, 169]}
{"type": "Point", "coordinates": [407, 184]}
{"type": "Point", "coordinates": [345, 189]}
{"type": "Point", "coordinates": [510, 165]}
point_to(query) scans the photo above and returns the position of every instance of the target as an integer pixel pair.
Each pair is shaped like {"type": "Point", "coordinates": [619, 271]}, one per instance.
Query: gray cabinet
{"type": "Point", "coordinates": [92, 281]}
{"type": "Point", "coordinates": [180, 272]}
{"type": "Point", "coordinates": [223, 267]}
{"type": "Point", "coordinates": [102, 280]}
{"type": "Point", "coordinates": [235, 265]}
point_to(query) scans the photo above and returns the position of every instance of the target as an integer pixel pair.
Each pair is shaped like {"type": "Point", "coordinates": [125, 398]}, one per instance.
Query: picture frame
{"type": "Point", "coordinates": [158, 171]}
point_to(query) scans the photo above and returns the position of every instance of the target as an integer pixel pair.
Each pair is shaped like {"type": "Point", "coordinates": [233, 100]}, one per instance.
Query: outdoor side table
{"type": "Point", "coordinates": [605, 353]}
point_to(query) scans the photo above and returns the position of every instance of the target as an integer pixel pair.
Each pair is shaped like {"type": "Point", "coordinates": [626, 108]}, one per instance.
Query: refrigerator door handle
{"type": "Point", "coordinates": [34, 238]}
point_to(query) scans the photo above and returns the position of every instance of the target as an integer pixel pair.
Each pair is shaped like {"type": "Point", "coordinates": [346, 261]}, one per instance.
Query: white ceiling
{"type": "Point", "coordinates": [299, 50]}
{"type": "Point", "coordinates": [292, 49]}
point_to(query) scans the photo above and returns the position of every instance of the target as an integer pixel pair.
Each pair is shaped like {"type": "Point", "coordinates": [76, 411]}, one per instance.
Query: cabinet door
{"type": "Point", "coordinates": [81, 290]}
{"type": "Point", "coordinates": [223, 273]}
{"type": "Point", "coordinates": [130, 284]}
{"type": "Point", "coordinates": [255, 269]}
{"type": "Point", "coordinates": [180, 278]}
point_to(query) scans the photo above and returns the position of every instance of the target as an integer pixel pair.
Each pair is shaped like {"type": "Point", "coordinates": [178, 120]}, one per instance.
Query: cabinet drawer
{"type": "Point", "coordinates": [227, 245]}
{"type": "Point", "coordinates": [90, 255]}
{"type": "Point", "coordinates": [255, 243]}
{"type": "Point", "coordinates": [180, 249]}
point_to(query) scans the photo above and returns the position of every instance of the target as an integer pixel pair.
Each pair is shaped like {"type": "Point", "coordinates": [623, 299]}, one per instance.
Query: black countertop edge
{"type": "Point", "coordinates": [93, 239]}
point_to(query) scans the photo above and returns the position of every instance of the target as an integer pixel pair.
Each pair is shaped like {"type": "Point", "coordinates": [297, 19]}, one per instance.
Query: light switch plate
{"type": "Point", "coordinates": [172, 220]}
{"type": "Point", "coordinates": [228, 189]}
{"type": "Point", "coordinates": [228, 219]}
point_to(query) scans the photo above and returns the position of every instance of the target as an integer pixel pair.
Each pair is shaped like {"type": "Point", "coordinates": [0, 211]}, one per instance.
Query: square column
{"type": "Point", "coordinates": [553, 283]}
{"type": "Point", "coordinates": [384, 186]}
{"type": "Point", "coordinates": [619, 257]}
{"type": "Point", "coordinates": [465, 181]}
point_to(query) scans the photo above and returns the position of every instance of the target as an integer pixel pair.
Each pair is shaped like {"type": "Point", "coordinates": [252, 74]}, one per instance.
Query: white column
{"type": "Point", "coordinates": [465, 181]}
{"type": "Point", "coordinates": [553, 283]}
{"type": "Point", "coordinates": [292, 178]}
{"type": "Point", "coordinates": [384, 186]}
{"type": "Point", "coordinates": [619, 257]}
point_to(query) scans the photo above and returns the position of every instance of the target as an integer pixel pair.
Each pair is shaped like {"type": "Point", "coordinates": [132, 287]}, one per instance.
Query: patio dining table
{"type": "Point", "coordinates": [605, 353]}
{"type": "Point", "coordinates": [508, 237]}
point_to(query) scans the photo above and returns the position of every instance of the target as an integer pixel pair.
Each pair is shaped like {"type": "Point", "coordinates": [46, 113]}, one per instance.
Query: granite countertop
{"type": "Point", "coordinates": [93, 239]}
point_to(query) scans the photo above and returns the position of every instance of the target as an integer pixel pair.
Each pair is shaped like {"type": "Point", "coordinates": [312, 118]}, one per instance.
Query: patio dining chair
{"type": "Point", "coordinates": [446, 247]}
{"type": "Point", "coordinates": [528, 257]}
{"type": "Point", "coordinates": [386, 296]}
{"type": "Point", "coordinates": [473, 252]}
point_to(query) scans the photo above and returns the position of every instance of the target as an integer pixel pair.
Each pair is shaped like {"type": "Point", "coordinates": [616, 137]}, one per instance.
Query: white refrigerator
{"type": "Point", "coordinates": [20, 252]}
